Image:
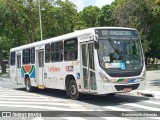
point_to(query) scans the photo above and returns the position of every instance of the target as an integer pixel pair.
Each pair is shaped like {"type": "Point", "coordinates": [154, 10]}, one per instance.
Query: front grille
{"type": "Point", "coordinates": [124, 73]}
{"type": "Point", "coordinates": [121, 87]}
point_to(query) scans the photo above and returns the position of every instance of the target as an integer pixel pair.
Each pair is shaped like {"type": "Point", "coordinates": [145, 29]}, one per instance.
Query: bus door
{"type": "Point", "coordinates": [40, 68]}
{"type": "Point", "coordinates": [18, 71]}
{"type": "Point", "coordinates": [88, 67]}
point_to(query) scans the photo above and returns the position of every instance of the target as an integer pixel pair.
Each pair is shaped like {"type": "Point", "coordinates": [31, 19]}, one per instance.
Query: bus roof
{"type": "Point", "coordinates": [77, 33]}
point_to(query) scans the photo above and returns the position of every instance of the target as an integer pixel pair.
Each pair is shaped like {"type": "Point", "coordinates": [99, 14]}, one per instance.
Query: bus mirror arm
{"type": "Point", "coordinates": [96, 42]}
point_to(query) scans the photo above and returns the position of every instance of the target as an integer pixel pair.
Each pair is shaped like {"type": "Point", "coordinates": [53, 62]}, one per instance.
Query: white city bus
{"type": "Point", "coordinates": [101, 60]}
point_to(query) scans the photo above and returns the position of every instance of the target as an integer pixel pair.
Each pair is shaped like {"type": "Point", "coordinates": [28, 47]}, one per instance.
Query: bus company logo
{"type": "Point", "coordinates": [54, 69]}
{"type": "Point", "coordinates": [28, 69]}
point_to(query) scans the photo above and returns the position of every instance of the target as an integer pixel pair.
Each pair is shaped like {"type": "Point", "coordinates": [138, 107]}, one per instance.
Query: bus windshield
{"type": "Point", "coordinates": [120, 53]}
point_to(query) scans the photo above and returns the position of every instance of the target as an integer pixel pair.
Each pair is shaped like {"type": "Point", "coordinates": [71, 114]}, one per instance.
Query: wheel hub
{"type": "Point", "coordinates": [73, 89]}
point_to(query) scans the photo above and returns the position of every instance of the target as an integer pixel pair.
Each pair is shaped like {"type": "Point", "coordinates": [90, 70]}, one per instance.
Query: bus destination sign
{"type": "Point", "coordinates": [118, 33]}
{"type": "Point", "coordinates": [107, 32]}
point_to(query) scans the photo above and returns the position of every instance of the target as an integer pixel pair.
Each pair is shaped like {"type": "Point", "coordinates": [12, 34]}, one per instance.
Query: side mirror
{"type": "Point", "coordinates": [96, 42]}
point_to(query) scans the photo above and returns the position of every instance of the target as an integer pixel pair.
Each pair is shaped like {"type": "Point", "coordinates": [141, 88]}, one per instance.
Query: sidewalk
{"type": "Point", "coordinates": [5, 77]}
{"type": "Point", "coordinates": [152, 85]}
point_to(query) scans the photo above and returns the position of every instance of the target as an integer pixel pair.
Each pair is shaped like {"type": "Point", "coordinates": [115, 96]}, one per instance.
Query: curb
{"type": "Point", "coordinates": [5, 79]}
{"type": "Point", "coordinates": [147, 93]}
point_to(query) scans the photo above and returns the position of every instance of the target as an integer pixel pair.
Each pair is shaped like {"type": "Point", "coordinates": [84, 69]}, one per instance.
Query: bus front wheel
{"type": "Point", "coordinates": [73, 90]}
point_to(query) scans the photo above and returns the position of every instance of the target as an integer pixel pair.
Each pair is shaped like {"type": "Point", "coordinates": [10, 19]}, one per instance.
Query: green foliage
{"type": "Point", "coordinates": [19, 20]}
{"type": "Point", "coordinates": [136, 14]}
{"type": "Point", "coordinates": [106, 16]}
{"type": "Point", "coordinates": [90, 15]}
{"type": "Point", "coordinates": [154, 33]}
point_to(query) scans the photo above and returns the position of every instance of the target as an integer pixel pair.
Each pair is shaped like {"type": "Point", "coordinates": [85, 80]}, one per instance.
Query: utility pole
{"type": "Point", "coordinates": [40, 19]}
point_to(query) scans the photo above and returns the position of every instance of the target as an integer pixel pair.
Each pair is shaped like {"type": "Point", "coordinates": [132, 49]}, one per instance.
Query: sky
{"type": "Point", "coordinates": [84, 3]}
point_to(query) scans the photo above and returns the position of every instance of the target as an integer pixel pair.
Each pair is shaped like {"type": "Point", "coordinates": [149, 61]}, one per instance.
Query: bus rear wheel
{"type": "Point", "coordinates": [73, 90]}
{"type": "Point", "coordinates": [29, 88]}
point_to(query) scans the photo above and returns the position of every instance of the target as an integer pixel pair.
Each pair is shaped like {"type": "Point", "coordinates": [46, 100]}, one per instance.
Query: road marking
{"type": "Point", "coordinates": [142, 106]}
{"type": "Point", "coordinates": [18, 96]}
{"type": "Point", "coordinates": [38, 118]}
{"type": "Point", "coordinates": [42, 103]}
{"type": "Point", "coordinates": [152, 102]}
{"type": "Point", "coordinates": [40, 100]}
{"type": "Point", "coordinates": [73, 118]}
{"type": "Point", "coordinates": [44, 107]}
{"type": "Point", "coordinates": [114, 118]}
{"type": "Point", "coordinates": [157, 118]}
{"type": "Point", "coordinates": [157, 97]}
{"type": "Point", "coordinates": [116, 108]}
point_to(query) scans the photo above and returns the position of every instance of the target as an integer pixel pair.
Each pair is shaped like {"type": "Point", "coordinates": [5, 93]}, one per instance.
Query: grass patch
{"type": "Point", "coordinates": [153, 67]}
{"type": "Point", "coordinates": [1, 74]}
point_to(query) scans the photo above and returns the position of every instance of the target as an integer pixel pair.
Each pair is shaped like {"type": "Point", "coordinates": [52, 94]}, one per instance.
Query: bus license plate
{"type": "Point", "coordinates": [127, 89]}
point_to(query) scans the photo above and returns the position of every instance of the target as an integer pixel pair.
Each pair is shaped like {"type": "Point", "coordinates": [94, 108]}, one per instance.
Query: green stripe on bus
{"type": "Point", "coordinates": [23, 69]}
{"type": "Point", "coordinates": [31, 69]}
{"type": "Point", "coordinates": [120, 80]}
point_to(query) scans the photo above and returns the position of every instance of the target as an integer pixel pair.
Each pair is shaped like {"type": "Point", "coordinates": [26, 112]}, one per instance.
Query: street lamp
{"type": "Point", "coordinates": [40, 20]}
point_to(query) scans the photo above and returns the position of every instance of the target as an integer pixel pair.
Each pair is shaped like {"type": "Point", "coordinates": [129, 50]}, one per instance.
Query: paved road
{"type": "Point", "coordinates": [153, 80]}
{"type": "Point", "coordinates": [15, 98]}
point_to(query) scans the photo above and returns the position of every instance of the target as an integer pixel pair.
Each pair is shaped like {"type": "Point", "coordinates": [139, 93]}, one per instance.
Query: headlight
{"type": "Point", "coordinates": [104, 78]}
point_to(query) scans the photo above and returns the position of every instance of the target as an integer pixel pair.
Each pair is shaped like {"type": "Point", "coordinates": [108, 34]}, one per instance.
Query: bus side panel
{"type": "Point", "coordinates": [50, 77]}
{"type": "Point", "coordinates": [13, 74]}
{"type": "Point", "coordinates": [55, 73]}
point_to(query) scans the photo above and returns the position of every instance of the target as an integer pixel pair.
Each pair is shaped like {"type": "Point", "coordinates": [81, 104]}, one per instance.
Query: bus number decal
{"type": "Point", "coordinates": [69, 68]}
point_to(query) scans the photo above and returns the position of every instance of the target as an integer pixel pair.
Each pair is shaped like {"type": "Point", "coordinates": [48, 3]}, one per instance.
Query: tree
{"type": "Point", "coordinates": [25, 15]}
{"type": "Point", "coordinates": [3, 33]}
{"type": "Point", "coordinates": [106, 16]}
{"type": "Point", "coordinates": [58, 18]}
{"type": "Point", "coordinates": [154, 32]}
{"type": "Point", "coordinates": [136, 14]}
{"type": "Point", "coordinates": [90, 16]}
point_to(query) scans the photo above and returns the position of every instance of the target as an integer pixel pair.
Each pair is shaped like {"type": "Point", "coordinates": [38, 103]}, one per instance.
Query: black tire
{"type": "Point", "coordinates": [110, 95]}
{"type": "Point", "coordinates": [29, 88]}
{"type": "Point", "coordinates": [73, 91]}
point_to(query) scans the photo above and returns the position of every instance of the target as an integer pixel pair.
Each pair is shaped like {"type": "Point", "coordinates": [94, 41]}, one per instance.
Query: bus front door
{"type": "Point", "coordinates": [18, 71]}
{"type": "Point", "coordinates": [88, 67]}
{"type": "Point", "coordinates": [40, 67]}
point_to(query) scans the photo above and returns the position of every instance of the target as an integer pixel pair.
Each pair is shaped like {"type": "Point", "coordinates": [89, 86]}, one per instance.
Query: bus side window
{"type": "Point", "coordinates": [52, 52]}
{"type": "Point", "coordinates": [12, 58]}
{"type": "Point", "coordinates": [26, 56]}
{"type": "Point", "coordinates": [59, 51]}
{"type": "Point", "coordinates": [47, 53]}
{"type": "Point", "coordinates": [70, 49]}
{"type": "Point", "coordinates": [32, 55]}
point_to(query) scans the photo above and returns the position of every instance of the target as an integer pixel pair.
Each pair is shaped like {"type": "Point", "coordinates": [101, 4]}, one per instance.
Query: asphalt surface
{"type": "Point", "coordinates": [14, 98]}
